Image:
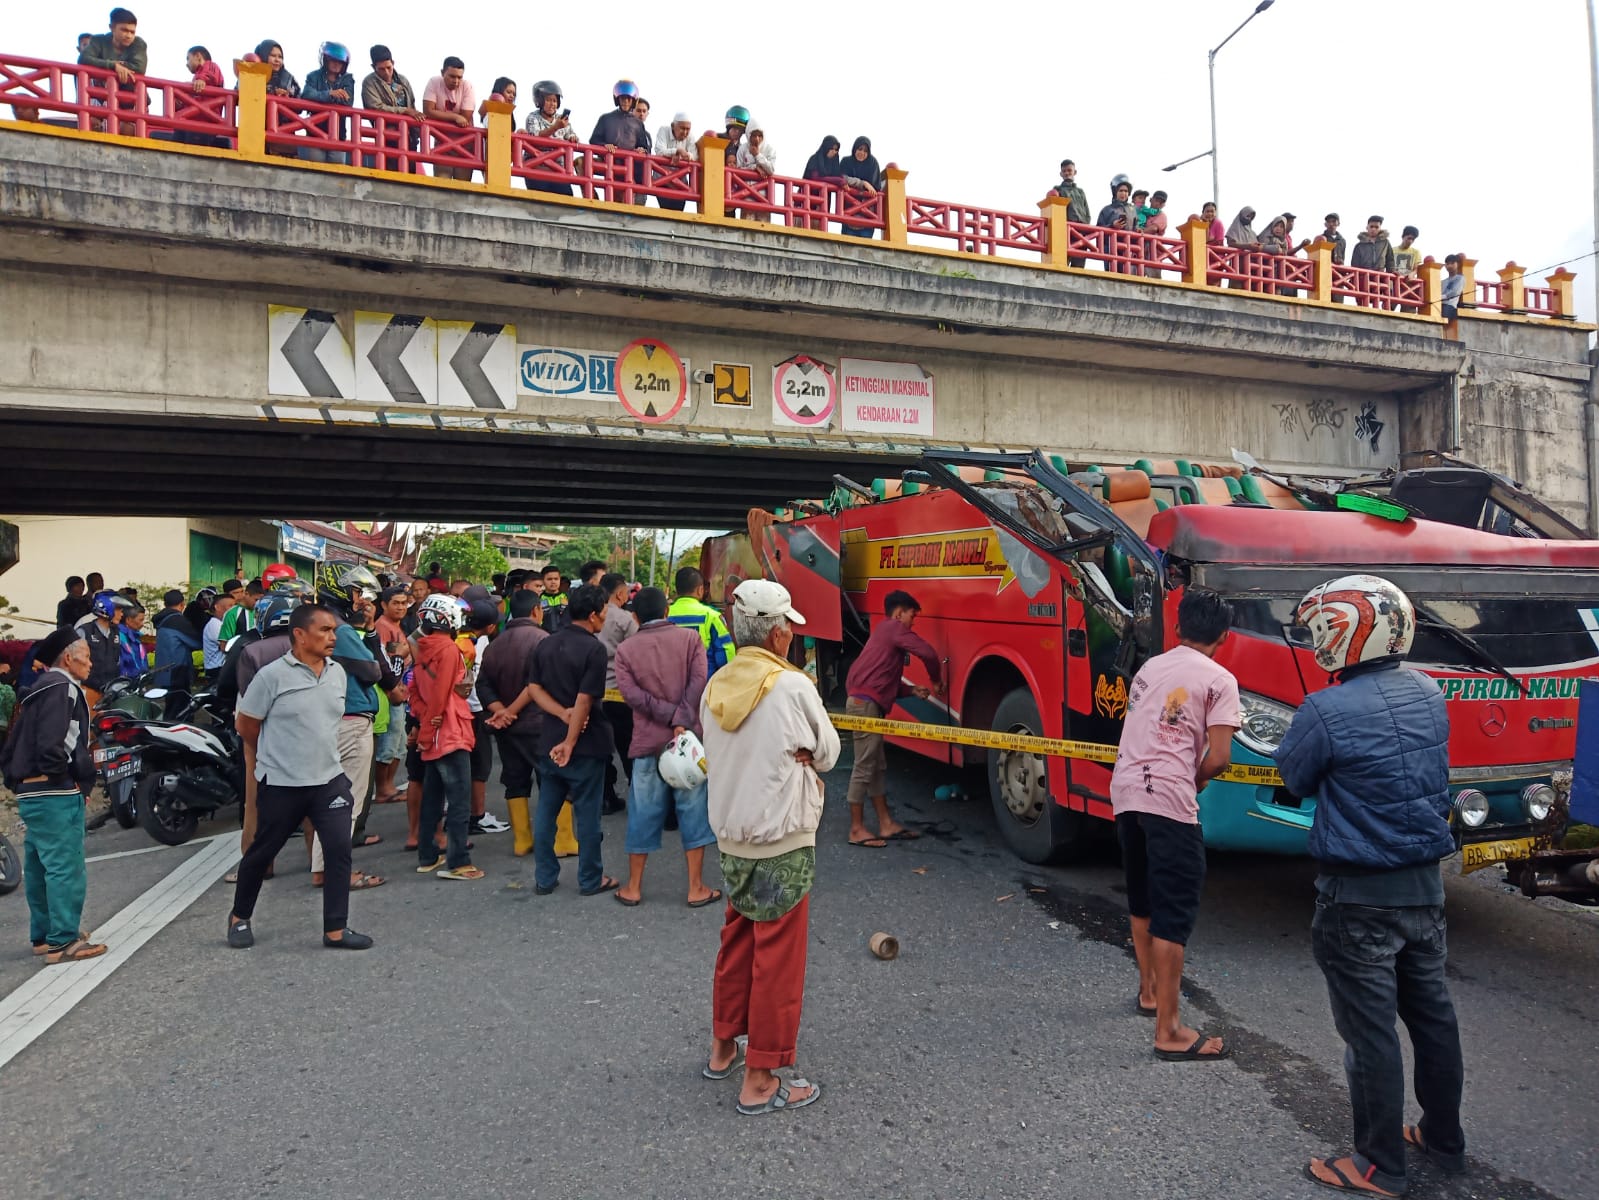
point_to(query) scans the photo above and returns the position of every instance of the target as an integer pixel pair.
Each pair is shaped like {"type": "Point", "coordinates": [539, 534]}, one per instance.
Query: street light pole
{"type": "Point", "coordinates": [1215, 169]}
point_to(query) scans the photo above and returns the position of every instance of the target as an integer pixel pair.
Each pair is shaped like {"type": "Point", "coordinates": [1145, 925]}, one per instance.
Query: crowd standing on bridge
{"type": "Point", "coordinates": [450, 99]}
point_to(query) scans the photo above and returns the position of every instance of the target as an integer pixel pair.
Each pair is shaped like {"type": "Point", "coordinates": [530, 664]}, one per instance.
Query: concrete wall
{"type": "Point", "coordinates": [135, 278]}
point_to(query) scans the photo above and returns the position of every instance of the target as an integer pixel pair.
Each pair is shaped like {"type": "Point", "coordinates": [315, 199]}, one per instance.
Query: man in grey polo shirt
{"type": "Point", "coordinates": [289, 717]}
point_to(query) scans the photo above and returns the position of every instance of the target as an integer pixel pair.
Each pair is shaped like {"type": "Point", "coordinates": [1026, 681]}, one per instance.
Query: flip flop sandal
{"type": "Point", "coordinates": [740, 1046]}
{"type": "Point", "coordinates": [1192, 1054]}
{"type": "Point", "coordinates": [626, 903]}
{"type": "Point", "coordinates": [779, 1101]}
{"type": "Point", "coordinates": [468, 872]}
{"type": "Point", "coordinates": [363, 881]}
{"type": "Point", "coordinates": [432, 866]}
{"type": "Point", "coordinates": [716, 894]}
{"type": "Point", "coordinates": [1339, 1180]}
{"type": "Point", "coordinates": [606, 885]}
{"type": "Point", "coordinates": [40, 949]}
{"type": "Point", "coordinates": [904, 835]}
{"type": "Point", "coordinates": [1138, 1006]}
{"type": "Point", "coordinates": [74, 952]}
{"type": "Point", "coordinates": [1449, 1164]}
{"type": "Point", "coordinates": [367, 839]}
{"type": "Point", "coordinates": [871, 843]}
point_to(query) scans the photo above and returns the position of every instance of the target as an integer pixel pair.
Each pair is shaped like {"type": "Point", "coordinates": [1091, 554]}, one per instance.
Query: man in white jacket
{"type": "Point", "coordinates": [767, 739]}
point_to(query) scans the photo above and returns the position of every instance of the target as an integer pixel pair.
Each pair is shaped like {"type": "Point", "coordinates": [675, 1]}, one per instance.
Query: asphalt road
{"type": "Point", "coordinates": [499, 1043]}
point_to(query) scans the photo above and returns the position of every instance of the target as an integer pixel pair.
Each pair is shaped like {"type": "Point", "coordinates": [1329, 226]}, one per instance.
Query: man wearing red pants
{"type": "Point", "coordinates": [767, 738]}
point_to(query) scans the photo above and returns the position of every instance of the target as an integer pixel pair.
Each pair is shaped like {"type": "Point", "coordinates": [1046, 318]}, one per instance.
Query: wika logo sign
{"type": "Point", "coordinates": [560, 371]}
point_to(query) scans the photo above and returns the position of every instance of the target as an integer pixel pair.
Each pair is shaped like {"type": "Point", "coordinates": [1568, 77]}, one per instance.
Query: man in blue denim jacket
{"type": "Point", "coordinates": [1374, 751]}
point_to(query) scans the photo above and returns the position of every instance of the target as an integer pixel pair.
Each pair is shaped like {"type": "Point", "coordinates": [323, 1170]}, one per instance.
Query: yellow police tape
{"type": "Point", "coordinates": [994, 739]}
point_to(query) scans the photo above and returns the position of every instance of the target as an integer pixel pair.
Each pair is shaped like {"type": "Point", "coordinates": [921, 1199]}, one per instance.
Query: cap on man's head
{"type": "Point", "coordinates": [763, 598]}
{"type": "Point", "coordinates": [681, 118]}
{"type": "Point", "coordinates": [49, 650]}
{"type": "Point", "coordinates": [475, 593]}
{"type": "Point", "coordinates": [481, 614]}
{"type": "Point", "coordinates": [380, 53]}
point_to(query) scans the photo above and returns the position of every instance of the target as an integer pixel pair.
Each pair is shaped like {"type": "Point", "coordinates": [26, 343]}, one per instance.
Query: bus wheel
{"type": "Point", "coordinates": [1035, 827]}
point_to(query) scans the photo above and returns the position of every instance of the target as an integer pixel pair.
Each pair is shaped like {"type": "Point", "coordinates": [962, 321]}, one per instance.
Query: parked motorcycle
{"type": "Point", "coordinates": [116, 757]}
{"type": "Point", "coordinates": [186, 772]}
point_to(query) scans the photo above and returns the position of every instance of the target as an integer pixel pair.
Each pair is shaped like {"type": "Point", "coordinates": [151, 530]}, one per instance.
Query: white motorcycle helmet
{"type": "Point", "coordinates": [1357, 619]}
{"type": "Point", "coordinates": [440, 612]}
{"type": "Point", "coordinates": [682, 764]}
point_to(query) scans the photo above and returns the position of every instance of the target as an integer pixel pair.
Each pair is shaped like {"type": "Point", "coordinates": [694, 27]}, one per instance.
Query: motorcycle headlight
{"type": "Point", "coordinates": [1471, 806]}
{"type": "Point", "coordinates": [1538, 801]}
{"type": "Point", "coordinates": [1265, 722]}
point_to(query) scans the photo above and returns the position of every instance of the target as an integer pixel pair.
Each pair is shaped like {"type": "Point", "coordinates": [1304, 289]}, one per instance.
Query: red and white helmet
{"type": "Point", "coordinates": [1357, 619]}
{"type": "Point", "coordinates": [440, 611]}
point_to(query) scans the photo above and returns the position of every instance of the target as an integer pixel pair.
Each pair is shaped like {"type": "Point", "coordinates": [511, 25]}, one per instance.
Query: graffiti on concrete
{"type": "Point", "coordinates": [1368, 428]}
{"type": "Point", "coordinates": [1308, 417]}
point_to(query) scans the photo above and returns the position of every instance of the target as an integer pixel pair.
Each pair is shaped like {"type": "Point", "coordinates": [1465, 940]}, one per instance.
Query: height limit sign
{"type": "Point", "coordinates": [651, 381]}
{"type": "Point", "coordinates": [804, 393]}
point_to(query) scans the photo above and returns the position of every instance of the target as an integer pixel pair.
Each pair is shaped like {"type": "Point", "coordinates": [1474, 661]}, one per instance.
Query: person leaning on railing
{"type": "Point", "coordinates": [385, 90]}
{"type": "Point", "coordinates": [861, 175]}
{"type": "Point", "coordinates": [675, 143]}
{"type": "Point", "coordinates": [122, 51]}
{"type": "Point", "coordinates": [449, 99]}
{"type": "Point", "coordinates": [823, 167]}
{"type": "Point", "coordinates": [549, 120]}
{"type": "Point", "coordinates": [330, 84]}
{"type": "Point", "coordinates": [758, 155]}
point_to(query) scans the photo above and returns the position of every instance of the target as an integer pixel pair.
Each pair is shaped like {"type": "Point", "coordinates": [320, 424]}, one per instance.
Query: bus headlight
{"type": "Point", "coordinates": [1471, 807]}
{"type": "Point", "coordinates": [1538, 801]}
{"type": "Point", "coordinates": [1265, 722]}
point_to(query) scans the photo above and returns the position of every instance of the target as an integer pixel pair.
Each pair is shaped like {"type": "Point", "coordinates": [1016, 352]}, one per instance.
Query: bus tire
{"type": "Point", "coordinates": [1032, 824]}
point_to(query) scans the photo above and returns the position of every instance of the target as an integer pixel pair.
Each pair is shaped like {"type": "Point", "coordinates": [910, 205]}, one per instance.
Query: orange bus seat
{"type": "Point", "coordinates": [1127, 492]}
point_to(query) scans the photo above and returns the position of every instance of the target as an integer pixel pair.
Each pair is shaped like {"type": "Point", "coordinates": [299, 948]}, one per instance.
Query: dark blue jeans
{"type": "Point", "coordinates": [446, 792]}
{"type": "Point", "coordinates": [1382, 964]}
{"type": "Point", "coordinates": [583, 779]}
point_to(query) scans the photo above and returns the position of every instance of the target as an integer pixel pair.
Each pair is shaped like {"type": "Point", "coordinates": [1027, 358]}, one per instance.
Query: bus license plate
{"type": "Point", "coordinates": [1476, 855]}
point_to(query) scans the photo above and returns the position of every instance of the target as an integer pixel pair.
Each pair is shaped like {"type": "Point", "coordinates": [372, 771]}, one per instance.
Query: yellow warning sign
{"type": "Point", "coordinates": [651, 382]}
{"type": "Point", "coordinates": [731, 384]}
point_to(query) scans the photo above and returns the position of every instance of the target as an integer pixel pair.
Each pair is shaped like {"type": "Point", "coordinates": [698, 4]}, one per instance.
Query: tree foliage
{"type": "Point", "coordinates": [611, 545]}
{"type": "Point", "coordinates": [460, 557]}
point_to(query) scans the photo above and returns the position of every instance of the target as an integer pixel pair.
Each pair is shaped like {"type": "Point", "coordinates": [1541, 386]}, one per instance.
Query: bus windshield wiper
{"type": "Point", "coordinates": [1431, 621]}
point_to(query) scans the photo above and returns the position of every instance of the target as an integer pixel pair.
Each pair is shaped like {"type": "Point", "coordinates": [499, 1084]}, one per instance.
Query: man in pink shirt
{"type": "Point", "coordinates": [875, 682]}
{"type": "Point", "coordinates": [449, 99]}
{"type": "Point", "coordinates": [1181, 717]}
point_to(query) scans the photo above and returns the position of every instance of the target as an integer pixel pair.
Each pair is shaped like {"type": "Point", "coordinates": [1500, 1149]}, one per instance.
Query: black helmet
{"type": "Point", "coordinates": [276, 612]}
{"type": "Point", "coordinates": [543, 88]}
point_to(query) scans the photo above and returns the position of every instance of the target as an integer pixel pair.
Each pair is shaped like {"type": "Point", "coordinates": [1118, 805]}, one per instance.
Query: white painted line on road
{"type": "Point", "coordinates": [55, 991]}
{"type": "Point", "coordinates": [149, 849]}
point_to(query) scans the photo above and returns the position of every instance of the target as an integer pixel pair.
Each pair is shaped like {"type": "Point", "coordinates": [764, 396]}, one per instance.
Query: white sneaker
{"type": "Point", "coordinates": [489, 823]}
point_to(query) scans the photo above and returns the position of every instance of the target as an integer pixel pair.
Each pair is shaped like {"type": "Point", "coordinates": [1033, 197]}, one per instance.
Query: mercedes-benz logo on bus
{"type": "Point", "coordinates": [1492, 721]}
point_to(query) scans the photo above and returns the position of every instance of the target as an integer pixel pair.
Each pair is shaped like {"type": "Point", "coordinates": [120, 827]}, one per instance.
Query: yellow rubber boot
{"type": "Point", "coordinates": [521, 826]}
{"type": "Point", "coordinates": [565, 842]}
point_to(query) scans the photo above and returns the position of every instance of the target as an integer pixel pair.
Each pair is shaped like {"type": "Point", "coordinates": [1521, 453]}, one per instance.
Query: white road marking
{"type": "Point", "coordinates": [149, 849]}
{"type": "Point", "coordinates": [55, 991]}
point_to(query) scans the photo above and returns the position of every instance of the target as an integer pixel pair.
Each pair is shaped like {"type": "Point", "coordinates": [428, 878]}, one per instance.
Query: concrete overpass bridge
{"type": "Point", "coordinates": [225, 330]}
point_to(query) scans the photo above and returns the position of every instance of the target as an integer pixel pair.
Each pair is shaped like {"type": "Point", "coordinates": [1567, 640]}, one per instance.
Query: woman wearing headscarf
{"type": "Point", "coordinates": [280, 83]}
{"type": "Point", "coordinates": [1241, 236]}
{"type": "Point", "coordinates": [862, 176]}
{"type": "Point", "coordinates": [1274, 239]}
{"type": "Point", "coordinates": [822, 167]}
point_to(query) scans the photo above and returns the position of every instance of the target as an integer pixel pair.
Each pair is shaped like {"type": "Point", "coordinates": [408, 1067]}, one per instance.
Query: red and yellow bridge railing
{"type": "Point", "coordinates": [250, 125]}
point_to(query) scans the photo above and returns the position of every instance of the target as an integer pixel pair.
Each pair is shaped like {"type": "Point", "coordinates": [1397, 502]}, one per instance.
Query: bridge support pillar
{"type": "Point", "coordinates": [1194, 234]}
{"type": "Point", "coordinates": [1432, 287]}
{"type": "Point", "coordinates": [713, 176]}
{"type": "Point", "coordinates": [497, 161]}
{"type": "Point", "coordinates": [1514, 281]}
{"type": "Point", "coordinates": [1565, 300]}
{"type": "Point", "coordinates": [894, 232]}
{"type": "Point", "coordinates": [252, 108]}
{"type": "Point", "coordinates": [1053, 209]}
